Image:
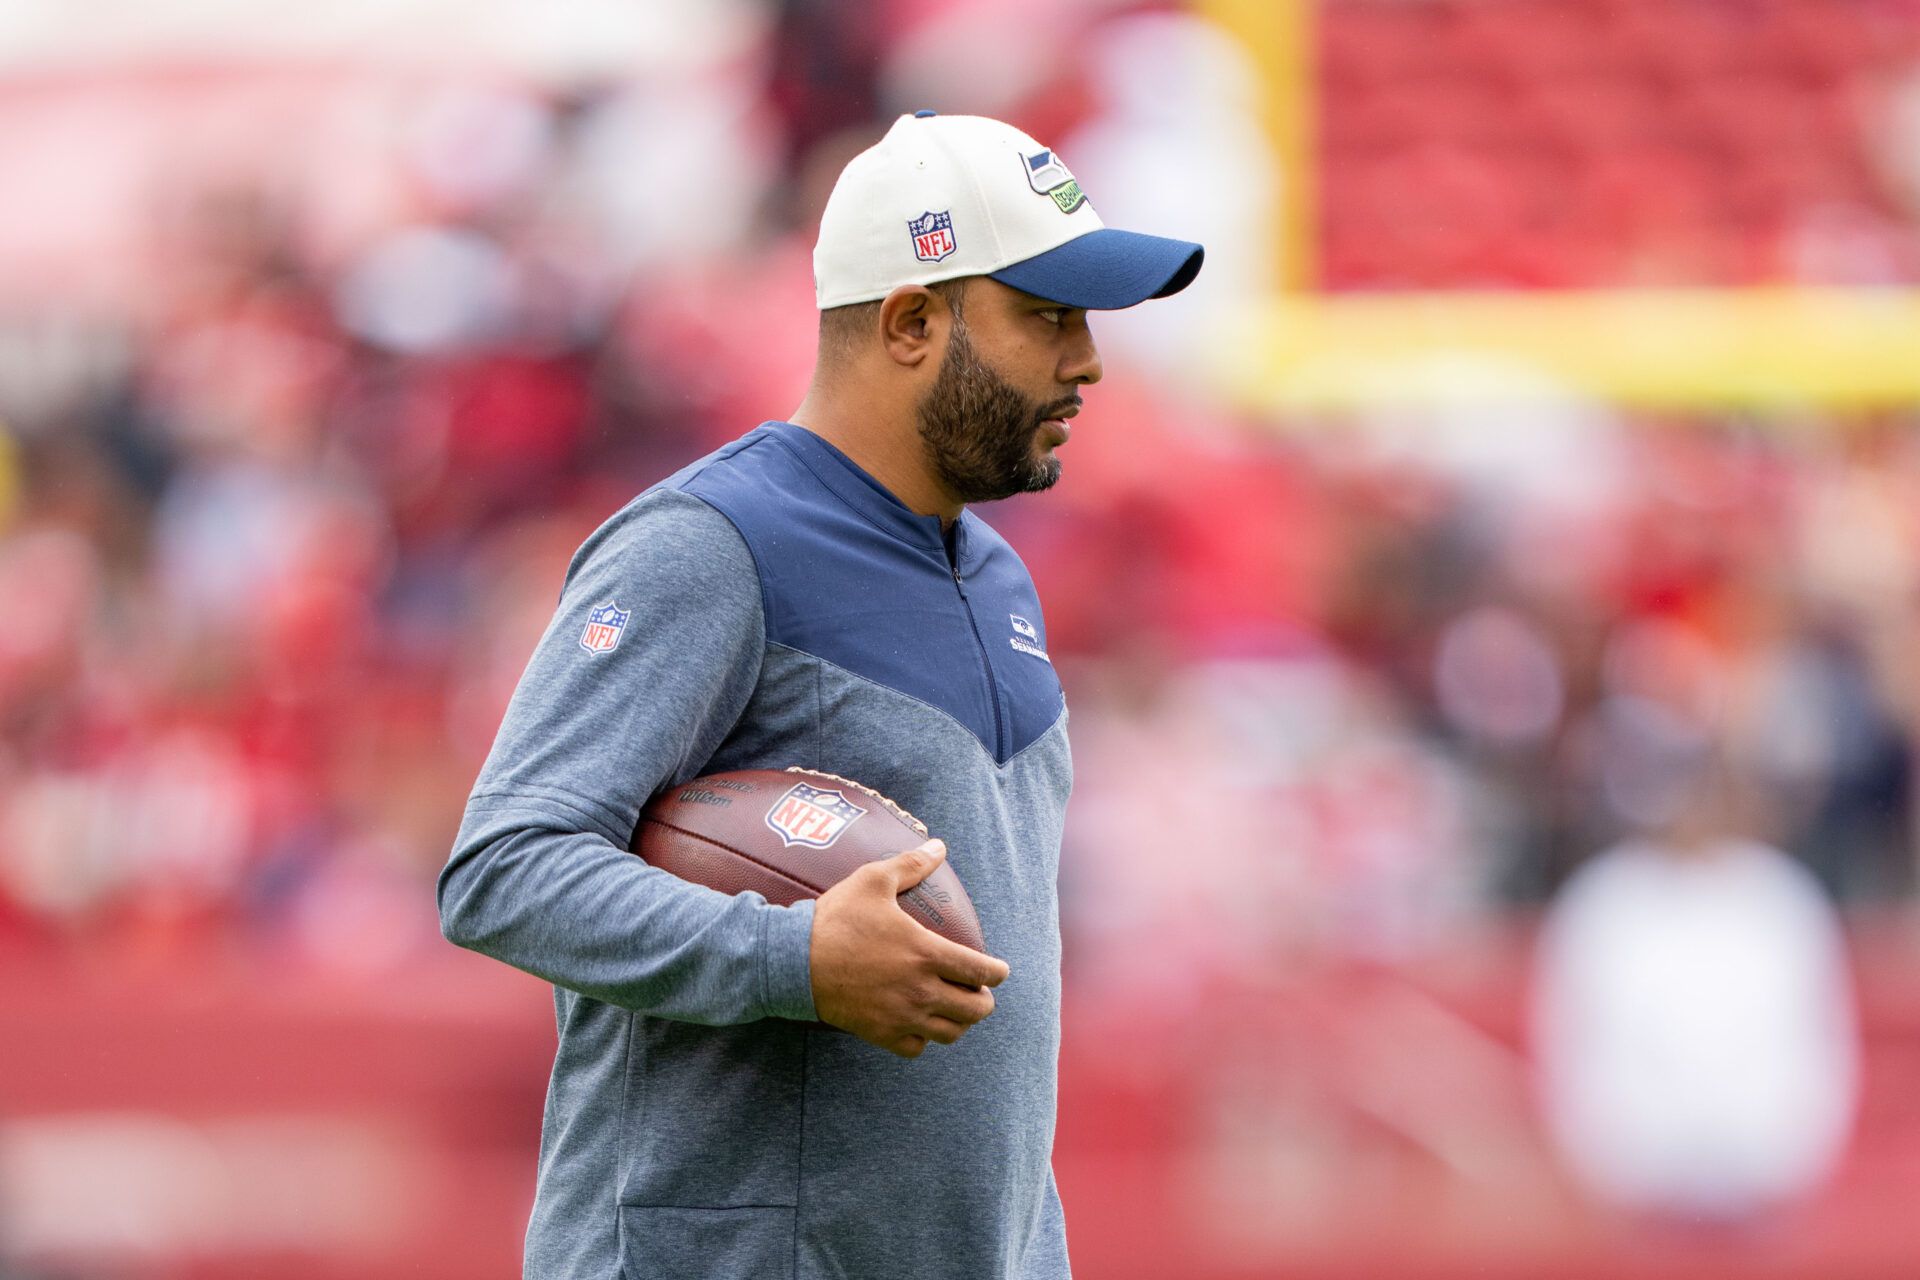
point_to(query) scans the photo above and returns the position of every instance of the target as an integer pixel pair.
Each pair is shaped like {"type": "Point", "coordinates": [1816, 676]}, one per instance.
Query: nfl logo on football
{"type": "Point", "coordinates": [605, 625]}
{"type": "Point", "coordinates": [812, 816]}
{"type": "Point", "coordinates": [932, 236]}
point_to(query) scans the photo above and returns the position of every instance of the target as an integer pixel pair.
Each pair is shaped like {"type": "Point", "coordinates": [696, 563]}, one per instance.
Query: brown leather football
{"type": "Point", "coordinates": [792, 834]}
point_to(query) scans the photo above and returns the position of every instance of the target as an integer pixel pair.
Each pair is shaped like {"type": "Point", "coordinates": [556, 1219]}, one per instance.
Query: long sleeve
{"type": "Point", "coordinates": [651, 656]}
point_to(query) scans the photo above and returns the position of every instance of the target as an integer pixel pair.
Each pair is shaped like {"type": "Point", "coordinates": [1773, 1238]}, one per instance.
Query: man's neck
{"type": "Point", "coordinates": [884, 445]}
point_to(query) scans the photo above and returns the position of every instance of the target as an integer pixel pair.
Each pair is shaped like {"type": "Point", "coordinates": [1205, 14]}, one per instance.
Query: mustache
{"type": "Point", "coordinates": [1057, 408]}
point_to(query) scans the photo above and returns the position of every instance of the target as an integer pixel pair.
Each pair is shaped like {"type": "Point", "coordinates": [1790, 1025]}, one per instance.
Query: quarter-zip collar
{"type": "Point", "coordinates": [866, 495]}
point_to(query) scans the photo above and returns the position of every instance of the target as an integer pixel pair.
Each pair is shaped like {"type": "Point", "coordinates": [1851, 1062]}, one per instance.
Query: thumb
{"type": "Point", "coordinates": [908, 869]}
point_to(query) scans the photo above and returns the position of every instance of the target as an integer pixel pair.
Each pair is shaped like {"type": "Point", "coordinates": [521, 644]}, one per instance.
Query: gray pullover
{"type": "Point", "coordinates": [773, 605]}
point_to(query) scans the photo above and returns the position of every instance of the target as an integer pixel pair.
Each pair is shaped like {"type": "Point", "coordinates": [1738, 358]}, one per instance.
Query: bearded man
{"type": "Point", "coordinates": [817, 594]}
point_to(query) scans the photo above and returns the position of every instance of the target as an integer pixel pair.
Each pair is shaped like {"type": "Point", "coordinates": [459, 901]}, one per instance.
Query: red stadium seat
{"type": "Point", "coordinates": [1646, 134]}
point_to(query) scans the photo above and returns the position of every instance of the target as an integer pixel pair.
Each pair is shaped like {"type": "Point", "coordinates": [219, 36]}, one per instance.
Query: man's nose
{"type": "Point", "coordinates": [1082, 364]}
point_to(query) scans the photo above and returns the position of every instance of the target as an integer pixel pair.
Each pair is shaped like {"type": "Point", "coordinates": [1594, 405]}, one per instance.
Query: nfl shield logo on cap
{"type": "Point", "coordinates": [932, 235]}
{"type": "Point", "coordinates": [813, 816]}
{"type": "Point", "coordinates": [605, 625]}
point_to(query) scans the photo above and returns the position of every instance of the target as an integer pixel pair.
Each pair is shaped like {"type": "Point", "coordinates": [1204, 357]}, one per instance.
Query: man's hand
{"type": "Point", "coordinates": [884, 976]}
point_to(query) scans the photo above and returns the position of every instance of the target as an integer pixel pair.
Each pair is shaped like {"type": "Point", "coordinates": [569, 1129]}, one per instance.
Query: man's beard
{"type": "Point", "coordinates": [979, 430]}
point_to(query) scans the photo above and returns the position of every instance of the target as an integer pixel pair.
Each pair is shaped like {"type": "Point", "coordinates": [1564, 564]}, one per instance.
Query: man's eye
{"type": "Point", "coordinates": [1053, 315]}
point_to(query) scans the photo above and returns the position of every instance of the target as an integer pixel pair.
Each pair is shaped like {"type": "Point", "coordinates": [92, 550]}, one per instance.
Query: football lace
{"type": "Point", "coordinates": [862, 787]}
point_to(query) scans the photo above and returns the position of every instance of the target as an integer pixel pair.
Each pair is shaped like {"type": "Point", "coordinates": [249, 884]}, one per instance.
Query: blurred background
{"type": "Point", "coordinates": [1512, 545]}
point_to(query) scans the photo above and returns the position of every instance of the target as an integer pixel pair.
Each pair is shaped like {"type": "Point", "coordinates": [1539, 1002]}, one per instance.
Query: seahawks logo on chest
{"type": "Point", "coordinates": [1026, 639]}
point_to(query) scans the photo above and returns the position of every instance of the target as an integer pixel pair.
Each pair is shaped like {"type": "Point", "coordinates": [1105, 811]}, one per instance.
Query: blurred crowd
{"type": "Point", "coordinates": [281, 521]}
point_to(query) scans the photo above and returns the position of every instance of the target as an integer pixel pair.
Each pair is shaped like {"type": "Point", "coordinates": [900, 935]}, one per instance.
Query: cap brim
{"type": "Point", "coordinates": [1107, 269]}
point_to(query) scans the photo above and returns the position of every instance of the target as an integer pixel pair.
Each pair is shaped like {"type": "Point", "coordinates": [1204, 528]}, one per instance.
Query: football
{"type": "Point", "coordinates": [792, 834]}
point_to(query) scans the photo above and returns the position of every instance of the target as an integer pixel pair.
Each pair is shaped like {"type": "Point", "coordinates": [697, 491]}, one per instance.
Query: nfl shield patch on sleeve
{"type": "Point", "coordinates": [605, 625]}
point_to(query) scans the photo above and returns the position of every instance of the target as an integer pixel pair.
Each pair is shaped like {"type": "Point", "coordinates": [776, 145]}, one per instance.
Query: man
{"type": "Point", "coordinates": [815, 594]}
{"type": "Point", "coordinates": [1694, 1020]}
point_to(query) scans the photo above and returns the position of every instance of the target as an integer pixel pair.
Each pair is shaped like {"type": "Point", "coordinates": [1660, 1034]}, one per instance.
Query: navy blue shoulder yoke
{"type": "Point", "coordinates": [850, 575]}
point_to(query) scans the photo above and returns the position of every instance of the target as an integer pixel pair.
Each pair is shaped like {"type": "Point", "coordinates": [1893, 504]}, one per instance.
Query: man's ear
{"type": "Point", "coordinates": [913, 324]}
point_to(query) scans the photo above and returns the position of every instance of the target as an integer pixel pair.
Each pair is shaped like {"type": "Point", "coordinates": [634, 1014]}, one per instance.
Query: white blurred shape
{"type": "Point", "coordinates": [1177, 150]}
{"type": "Point", "coordinates": [1845, 244]}
{"type": "Point", "coordinates": [60, 842]}
{"type": "Point", "coordinates": [427, 289]}
{"type": "Point", "coordinates": [117, 1186]}
{"type": "Point", "coordinates": [1497, 678]}
{"type": "Point", "coordinates": [184, 807]}
{"type": "Point", "coordinates": [1506, 431]}
{"type": "Point", "coordinates": [1897, 137]}
{"type": "Point", "coordinates": [173, 813]}
{"type": "Point", "coordinates": [979, 57]}
{"type": "Point", "coordinates": [676, 167]}
{"type": "Point", "coordinates": [222, 533]}
{"type": "Point", "coordinates": [1695, 1027]}
{"type": "Point", "coordinates": [476, 145]}
{"type": "Point", "coordinates": [590, 40]}
{"type": "Point", "coordinates": [108, 1184]}
{"type": "Point", "coordinates": [1856, 542]}
{"type": "Point", "coordinates": [559, 41]}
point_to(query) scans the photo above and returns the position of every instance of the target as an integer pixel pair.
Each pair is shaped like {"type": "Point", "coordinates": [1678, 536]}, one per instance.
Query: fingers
{"type": "Point", "coordinates": [966, 966]}
{"type": "Point", "coordinates": [945, 1019]}
{"type": "Point", "coordinates": [943, 1030]}
{"type": "Point", "coordinates": [960, 1005]}
{"type": "Point", "coordinates": [905, 870]}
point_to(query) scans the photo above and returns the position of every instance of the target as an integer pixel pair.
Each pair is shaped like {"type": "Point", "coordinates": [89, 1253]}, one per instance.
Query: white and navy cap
{"type": "Point", "coordinates": [946, 196]}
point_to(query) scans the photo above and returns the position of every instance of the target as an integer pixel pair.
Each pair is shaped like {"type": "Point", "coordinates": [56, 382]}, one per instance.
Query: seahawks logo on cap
{"type": "Point", "coordinates": [1046, 175]}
